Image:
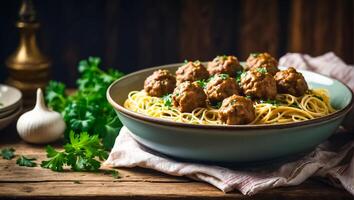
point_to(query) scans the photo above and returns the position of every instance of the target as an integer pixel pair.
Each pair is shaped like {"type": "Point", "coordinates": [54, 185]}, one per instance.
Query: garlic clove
{"type": "Point", "coordinates": [40, 125]}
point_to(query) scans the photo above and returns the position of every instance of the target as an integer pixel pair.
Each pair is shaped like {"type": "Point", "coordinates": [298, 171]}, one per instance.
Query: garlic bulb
{"type": "Point", "coordinates": [40, 125]}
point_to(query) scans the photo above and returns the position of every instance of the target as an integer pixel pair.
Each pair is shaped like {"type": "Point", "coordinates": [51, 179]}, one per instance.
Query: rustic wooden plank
{"type": "Point", "coordinates": [37, 183]}
{"type": "Point", "coordinates": [9, 171]}
{"type": "Point", "coordinates": [146, 190]}
{"type": "Point", "coordinates": [322, 26]}
{"type": "Point", "coordinates": [259, 27]}
{"type": "Point", "coordinates": [196, 30]}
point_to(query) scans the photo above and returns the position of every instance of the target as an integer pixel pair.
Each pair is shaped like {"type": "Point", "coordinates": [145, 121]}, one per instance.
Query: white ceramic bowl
{"type": "Point", "coordinates": [8, 119]}
{"type": "Point", "coordinates": [10, 98]}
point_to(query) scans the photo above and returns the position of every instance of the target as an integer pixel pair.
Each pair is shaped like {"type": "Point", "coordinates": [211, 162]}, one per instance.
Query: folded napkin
{"type": "Point", "coordinates": [333, 159]}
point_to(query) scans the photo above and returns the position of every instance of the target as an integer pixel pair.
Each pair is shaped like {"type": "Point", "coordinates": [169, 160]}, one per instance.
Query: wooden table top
{"type": "Point", "coordinates": [36, 183]}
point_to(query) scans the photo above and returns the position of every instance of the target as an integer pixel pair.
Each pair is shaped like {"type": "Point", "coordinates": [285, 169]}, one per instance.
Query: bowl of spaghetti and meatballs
{"type": "Point", "coordinates": [227, 111]}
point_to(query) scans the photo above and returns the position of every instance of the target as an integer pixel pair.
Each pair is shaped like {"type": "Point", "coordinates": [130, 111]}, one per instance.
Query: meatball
{"type": "Point", "coordinates": [220, 87]}
{"type": "Point", "coordinates": [291, 82]}
{"type": "Point", "coordinates": [187, 96]}
{"type": "Point", "coordinates": [224, 65]}
{"type": "Point", "coordinates": [258, 84]}
{"type": "Point", "coordinates": [262, 60]}
{"type": "Point", "coordinates": [191, 71]}
{"type": "Point", "coordinates": [160, 83]}
{"type": "Point", "coordinates": [236, 110]}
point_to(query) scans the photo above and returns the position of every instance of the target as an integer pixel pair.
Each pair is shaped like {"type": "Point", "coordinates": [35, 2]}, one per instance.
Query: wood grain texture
{"type": "Point", "coordinates": [37, 183]}
{"type": "Point", "coordinates": [322, 26]}
{"type": "Point", "coordinates": [130, 35]}
{"type": "Point", "coordinates": [259, 27]}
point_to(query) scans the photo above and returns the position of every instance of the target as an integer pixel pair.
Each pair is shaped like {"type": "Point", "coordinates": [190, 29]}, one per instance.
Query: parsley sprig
{"type": "Point", "coordinates": [26, 162]}
{"type": "Point", "coordinates": [87, 110]}
{"type": "Point", "coordinates": [81, 154]}
{"type": "Point", "coordinates": [8, 153]}
{"type": "Point", "coordinates": [167, 99]}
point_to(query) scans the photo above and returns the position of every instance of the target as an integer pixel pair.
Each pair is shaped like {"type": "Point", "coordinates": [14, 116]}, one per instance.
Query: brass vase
{"type": "Point", "coordinates": [28, 66]}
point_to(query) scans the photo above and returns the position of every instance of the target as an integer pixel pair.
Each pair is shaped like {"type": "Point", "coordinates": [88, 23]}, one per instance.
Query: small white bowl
{"type": "Point", "coordinates": [7, 120]}
{"type": "Point", "coordinates": [10, 98]}
{"type": "Point", "coordinates": [11, 111]}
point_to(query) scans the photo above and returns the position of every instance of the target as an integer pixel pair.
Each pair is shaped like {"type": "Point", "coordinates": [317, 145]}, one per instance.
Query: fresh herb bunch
{"type": "Point", "coordinates": [80, 154]}
{"type": "Point", "coordinates": [87, 110]}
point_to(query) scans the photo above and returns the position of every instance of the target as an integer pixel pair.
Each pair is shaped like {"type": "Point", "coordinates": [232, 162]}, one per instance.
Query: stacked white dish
{"type": "Point", "coordinates": [10, 105]}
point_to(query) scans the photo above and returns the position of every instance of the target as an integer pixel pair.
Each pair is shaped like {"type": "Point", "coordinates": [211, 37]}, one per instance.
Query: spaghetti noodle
{"type": "Point", "coordinates": [285, 108]}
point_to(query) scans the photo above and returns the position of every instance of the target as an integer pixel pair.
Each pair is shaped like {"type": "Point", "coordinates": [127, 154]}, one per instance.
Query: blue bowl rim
{"type": "Point", "coordinates": [141, 117]}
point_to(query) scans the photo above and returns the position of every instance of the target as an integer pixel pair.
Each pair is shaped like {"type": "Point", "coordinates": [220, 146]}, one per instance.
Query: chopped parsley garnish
{"type": "Point", "coordinates": [318, 97]}
{"type": "Point", "coordinates": [294, 105]}
{"type": "Point", "coordinates": [262, 70]}
{"type": "Point", "coordinates": [248, 97]}
{"type": "Point", "coordinates": [25, 161]}
{"type": "Point", "coordinates": [216, 105]}
{"type": "Point", "coordinates": [254, 54]}
{"type": "Point", "coordinates": [202, 83]}
{"type": "Point", "coordinates": [8, 153]}
{"type": "Point", "coordinates": [223, 57]}
{"type": "Point", "coordinates": [233, 102]}
{"type": "Point", "coordinates": [269, 101]}
{"type": "Point", "coordinates": [239, 75]}
{"type": "Point", "coordinates": [223, 76]}
{"type": "Point", "coordinates": [197, 62]}
{"type": "Point", "coordinates": [167, 100]}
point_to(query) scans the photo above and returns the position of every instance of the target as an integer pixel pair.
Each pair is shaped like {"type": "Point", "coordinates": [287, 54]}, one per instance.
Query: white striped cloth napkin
{"type": "Point", "coordinates": [333, 159]}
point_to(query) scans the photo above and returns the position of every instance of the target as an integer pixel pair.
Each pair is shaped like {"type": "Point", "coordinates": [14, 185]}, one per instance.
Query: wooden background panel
{"type": "Point", "coordinates": [130, 34]}
{"type": "Point", "coordinates": [322, 26]}
{"type": "Point", "coordinates": [259, 27]}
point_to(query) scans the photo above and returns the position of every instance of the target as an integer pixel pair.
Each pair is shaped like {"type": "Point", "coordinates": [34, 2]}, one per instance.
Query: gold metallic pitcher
{"type": "Point", "coordinates": [28, 67]}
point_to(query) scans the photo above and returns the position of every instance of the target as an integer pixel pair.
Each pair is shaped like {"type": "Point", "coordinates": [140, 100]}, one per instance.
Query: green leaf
{"type": "Point", "coordinates": [8, 153]}
{"type": "Point", "coordinates": [217, 105]}
{"type": "Point", "coordinates": [25, 161]}
{"type": "Point", "coordinates": [240, 75]}
{"type": "Point", "coordinates": [80, 154]}
{"type": "Point", "coordinates": [270, 101]}
{"type": "Point", "coordinates": [262, 70]}
{"type": "Point", "coordinates": [167, 100]}
{"type": "Point", "coordinates": [92, 124]}
{"type": "Point", "coordinates": [55, 96]}
{"type": "Point", "coordinates": [255, 54]}
{"type": "Point", "coordinates": [295, 105]}
{"type": "Point", "coordinates": [202, 83]}
{"type": "Point", "coordinates": [223, 76]}
{"type": "Point", "coordinates": [57, 159]}
{"type": "Point", "coordinates": [318, 97]}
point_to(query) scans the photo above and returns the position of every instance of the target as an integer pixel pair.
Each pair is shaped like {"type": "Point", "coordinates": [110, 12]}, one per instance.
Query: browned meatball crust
{"type": "Point", "coordinates": [160, 83]}
{"type": "Point", "coordinates": [224, 65]}
{"type": "Point", "coordinates": [262, 60]}
{"type": "Point", "coordinates": [258, 84]}
{"type": "Point", "coordinates": [236, 110]}
{"type": "Point", "coordinates": [187, 96]}
{"type": "Point", "coordinates": [220, 87]}
{"type": "Point", "coordinates": [191, 71]}
{"type": "Point", "coordinates": [291, 82]}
